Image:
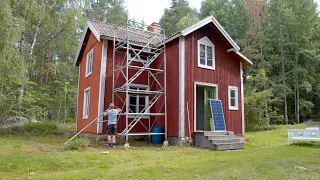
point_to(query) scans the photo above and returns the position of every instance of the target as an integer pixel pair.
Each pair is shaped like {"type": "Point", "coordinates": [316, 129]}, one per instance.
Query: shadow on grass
{"type": "Point", "coordinates": [312, 144]}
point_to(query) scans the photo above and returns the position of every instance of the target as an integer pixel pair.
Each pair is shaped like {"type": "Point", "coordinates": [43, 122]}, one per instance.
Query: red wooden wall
{"type": "Point", "coordinates": [226, 73]}
{"type": "Point", "coordinates": [91, 81]}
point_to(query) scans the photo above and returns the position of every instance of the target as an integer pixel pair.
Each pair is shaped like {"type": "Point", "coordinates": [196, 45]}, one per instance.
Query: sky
{"type": "Point", "coordinates": [152, 10]}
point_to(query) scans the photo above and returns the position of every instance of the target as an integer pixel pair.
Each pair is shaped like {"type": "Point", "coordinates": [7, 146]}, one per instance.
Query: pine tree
{"type": "Point", "coordinates": [175, 14]}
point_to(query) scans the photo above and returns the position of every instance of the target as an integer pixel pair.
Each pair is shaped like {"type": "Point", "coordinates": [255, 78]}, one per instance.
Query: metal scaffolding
{"type": "Point", "coordinates": [141, 47]}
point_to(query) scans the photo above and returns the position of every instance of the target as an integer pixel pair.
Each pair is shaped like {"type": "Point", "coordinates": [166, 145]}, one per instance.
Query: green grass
{"type": "Point", "coordinates": [266, 156]}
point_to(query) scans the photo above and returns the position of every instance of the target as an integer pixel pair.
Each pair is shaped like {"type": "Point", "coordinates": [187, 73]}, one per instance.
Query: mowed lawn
{"type": "Point", "coordinates": [266, 156]}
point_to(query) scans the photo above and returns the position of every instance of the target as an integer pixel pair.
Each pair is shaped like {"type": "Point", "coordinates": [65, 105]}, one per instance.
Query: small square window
{"type": "Point", "coordinates": [233, 97]}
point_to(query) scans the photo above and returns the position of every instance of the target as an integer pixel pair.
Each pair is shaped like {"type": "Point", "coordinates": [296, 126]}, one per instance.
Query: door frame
{"type": "Point", "coordinates": [195, 100]}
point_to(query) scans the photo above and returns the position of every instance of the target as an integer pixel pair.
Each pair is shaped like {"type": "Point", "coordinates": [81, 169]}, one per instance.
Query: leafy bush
{"type": "Point", "coordinates": [40, 128]}
{"type": "Point", "coordinates": [43, 128]}
{"type": "Point", "coordinates": [13, 130]}
{"type": "Point", "coordinates": [77, 144]}
{"type": "Point", "coordinates": [253, 127]}
{"type": "Point", "coordinates": [69, 120]}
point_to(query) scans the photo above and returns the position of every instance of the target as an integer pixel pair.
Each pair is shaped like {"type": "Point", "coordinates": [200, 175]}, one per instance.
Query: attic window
{"type": "Point", "coordinates": [206, 53]}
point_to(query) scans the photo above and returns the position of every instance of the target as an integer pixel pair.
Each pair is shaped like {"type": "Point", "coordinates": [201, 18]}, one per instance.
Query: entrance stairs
{"type": "Point", "coordinates": [218, 140]}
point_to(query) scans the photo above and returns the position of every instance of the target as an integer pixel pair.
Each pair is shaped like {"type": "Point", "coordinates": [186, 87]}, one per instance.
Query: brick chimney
{"type": "Point", "coordinates": [154, 27]}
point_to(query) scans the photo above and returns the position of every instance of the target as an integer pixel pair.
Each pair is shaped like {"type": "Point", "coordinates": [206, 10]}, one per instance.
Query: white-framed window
{"type": "Point", "coordinates": [89, 63]}
{"type": "Point", "coordinates": [233, 97]}
{"type": "Point", "coordinates": [86, 103]}
{"type": "Point", "coordinates": [136, 59]}
{"type": "Point", "coordinates": [206, 53]}
{"type": "Point", "coordinates": [138, 102]}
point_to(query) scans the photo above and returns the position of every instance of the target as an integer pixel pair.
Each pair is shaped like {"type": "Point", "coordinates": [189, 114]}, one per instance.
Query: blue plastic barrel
{"type": "Point", "coordinates": [159, 138]}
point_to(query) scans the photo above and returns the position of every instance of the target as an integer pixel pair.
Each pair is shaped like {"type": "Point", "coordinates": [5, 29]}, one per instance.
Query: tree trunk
{"type": "Point", "coordinates": [21, 87]}
{"type": "Point", "coordinates": [297, 106]}
{"type": "Point", "coordinates": [35, 37]}
{"type": "Point", "coordinates": [265, 83]}
{"type": "Point", "coordinates": [283, 80]}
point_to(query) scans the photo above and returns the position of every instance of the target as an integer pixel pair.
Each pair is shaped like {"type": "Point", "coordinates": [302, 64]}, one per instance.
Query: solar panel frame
{"type": "Point", "coordinates": [222, 115]}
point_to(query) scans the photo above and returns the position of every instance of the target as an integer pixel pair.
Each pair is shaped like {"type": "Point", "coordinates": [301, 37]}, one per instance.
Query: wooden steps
{"type": "Point", "coordinates": [218, 140]}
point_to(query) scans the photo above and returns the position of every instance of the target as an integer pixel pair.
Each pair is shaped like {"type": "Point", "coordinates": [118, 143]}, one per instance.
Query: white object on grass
{"type": "Point", "coordinates": [303, 135]}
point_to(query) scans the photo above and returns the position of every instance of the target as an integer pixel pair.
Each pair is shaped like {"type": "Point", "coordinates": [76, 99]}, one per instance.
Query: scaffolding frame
{"type": "Point", "coordinates": [154, 46]}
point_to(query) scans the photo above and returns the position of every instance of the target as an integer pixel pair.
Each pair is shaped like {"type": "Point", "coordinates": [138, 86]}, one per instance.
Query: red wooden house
{"type": "Point", "coordinates": [158, 80]}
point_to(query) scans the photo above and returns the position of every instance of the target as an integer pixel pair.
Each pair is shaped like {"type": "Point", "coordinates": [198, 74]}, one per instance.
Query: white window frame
{"type": "Point", "coordinates": [206, 42]}
{"type": "Point", "coordinates": [137, 100]}
{"type": "Point", "coordinates": [86, 116]}
{"type": "Point", "coordinates": [136, 59]}
{"type": "Point", "coordinates": [236, 107]}
{"type": "Point", "coordinates": [89, 71]}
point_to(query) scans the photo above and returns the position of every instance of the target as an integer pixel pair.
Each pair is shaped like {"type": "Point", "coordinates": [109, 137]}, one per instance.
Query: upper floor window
{"type": "Point", "coordinates": [135, 58]}
{"type": "Point", "coordinates": [206, 53]}
{"type": "Point", "coordinates": [89, 63]}
{"type": "Point", "coordinates": [233, 97]}
{"type": "Point", "coordinates": [86, 103]}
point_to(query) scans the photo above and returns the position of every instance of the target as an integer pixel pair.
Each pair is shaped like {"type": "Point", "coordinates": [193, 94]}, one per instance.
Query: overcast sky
{"type": "Point", "coordinates": [152, 10]}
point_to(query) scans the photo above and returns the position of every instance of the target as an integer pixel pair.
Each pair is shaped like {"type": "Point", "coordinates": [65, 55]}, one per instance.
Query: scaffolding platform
{"type": "Point", "coordinates": [141, 47]}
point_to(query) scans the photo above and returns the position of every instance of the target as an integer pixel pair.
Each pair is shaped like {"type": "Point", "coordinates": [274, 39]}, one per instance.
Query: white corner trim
{"type": "Point", "coordinates": [206, 41]}
{"type": "Point", "coordinates": [95, 33]}
{"type": "Point", "coordinates": [195, 100]}
{"type": "Point", "coordinates": [102, 83]}
{"type": "Point", "coordinates": [181, 86]}
{"type": "Point", "coordinates": [77, 117]}
{"type": "Point", "coordinates": [242, 99]}
{"type": "Point", "coordinates": [236, 107]}
{"type": "Point", "coordinates": [241, 55]}
{"type": "Point", "coordinates": [216, 23]}
{"type": "Point", "coordinates": [84, 100]}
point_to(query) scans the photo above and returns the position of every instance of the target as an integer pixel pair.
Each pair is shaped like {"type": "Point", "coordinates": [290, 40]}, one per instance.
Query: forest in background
{"type": "Point", "coordinates": [282, 37]}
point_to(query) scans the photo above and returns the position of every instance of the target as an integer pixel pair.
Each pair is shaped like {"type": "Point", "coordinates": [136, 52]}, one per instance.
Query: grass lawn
{"type": "Point", "coordinates": [266, 156]}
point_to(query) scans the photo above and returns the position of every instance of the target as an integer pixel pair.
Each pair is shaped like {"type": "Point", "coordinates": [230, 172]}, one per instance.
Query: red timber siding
{"type": "Point", "coordinates": [92, 81]}
{"type": "Point", "coordinates": [172, 50]}
{"type": "Point", "coordinates": [226, 73]}
{"type": "Point", "coordinates": [142, 79]}
{"type": "Point", "coordinates": [172, 89]}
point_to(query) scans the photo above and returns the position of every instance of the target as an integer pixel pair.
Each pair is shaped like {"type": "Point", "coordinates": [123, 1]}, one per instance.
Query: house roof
{"type": "Point", "coordinates": [235, 48]}
{"type": "Point", "coordinates": [105, 30]}
{"type": "Point", "coordinates": [199, 25]}
{"type": "Point", "coordinates": [135, 35]}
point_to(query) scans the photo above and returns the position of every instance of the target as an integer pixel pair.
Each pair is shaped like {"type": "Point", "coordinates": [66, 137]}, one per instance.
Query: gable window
{"type": "Point", "coordinates": [89, 63]}
{"type": "Point", "coordinates": [86, 103]}
{"type": "Point", "coordinates": [206, 53]}
{"type": "Point", "coordinates": [233, 97]}
{"type": "Point", "coordinates": [138, 102]}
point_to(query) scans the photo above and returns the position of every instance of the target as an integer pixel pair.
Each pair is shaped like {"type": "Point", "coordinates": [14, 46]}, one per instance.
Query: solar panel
{"type": "Point", "coordinates": [217, 115]}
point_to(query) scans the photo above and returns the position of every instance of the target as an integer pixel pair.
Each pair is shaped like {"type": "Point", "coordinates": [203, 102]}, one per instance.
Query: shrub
{"type": "Point", "coordinates": [254, 127]}
{"type": "Point", "coordinates": [77, 144]}
{"type": "Point", "coordinates": [68, 120]}
{"type": "Point", "coordinates": [44, 128]}
{"type": "Point", "coordinates": [13, 130]}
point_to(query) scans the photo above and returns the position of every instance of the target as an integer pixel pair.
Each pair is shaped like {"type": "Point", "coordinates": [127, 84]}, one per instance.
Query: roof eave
{"type": "Point", "coordinates": [206, 21]}
{"type": "Point", "coordinates": [95, 33]}
{"type": "Point", "coordinates": [241, 55]}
